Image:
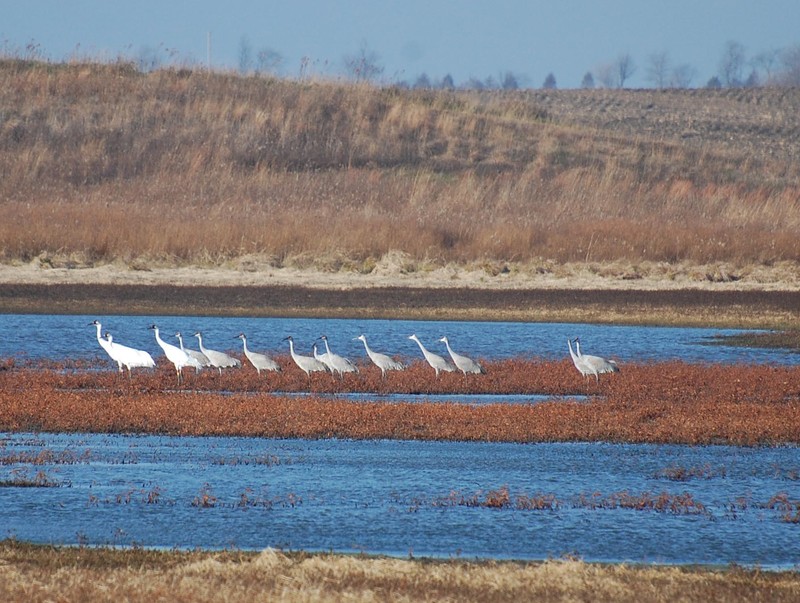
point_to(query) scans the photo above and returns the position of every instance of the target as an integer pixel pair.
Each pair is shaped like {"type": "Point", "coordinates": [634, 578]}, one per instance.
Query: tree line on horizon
{"type": "Point", "coordinates": [775, 67]}
{"type": "Point", "coordinates": [778, 67]}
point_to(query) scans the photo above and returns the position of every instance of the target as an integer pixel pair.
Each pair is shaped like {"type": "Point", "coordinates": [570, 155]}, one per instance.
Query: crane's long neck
{"type": "Point", "coordinates": [428, 355]}
{"type": "Point", "coordinates": [578, 347]}
{"type": "Point", "coordinates": [99, 328]}
{"type": "Point", "coordinates": [158, 338]}
{"type": "Point", "coordinates": [366, 347]}
{"type": "Point", "coordinates": [200, 342]}
{"type": "Point", "coordinates": [449, 349]}
{"type": "Point", "coordinates": [571, 353]}
{"type": "Point", "coordinates": [291, 348]}
{"type": "Point", "coordinates": [244, 344]}
{"type": "Point", "coordinates": [327, 349]}
{"type": "Point", "coordinates": [180, 341]}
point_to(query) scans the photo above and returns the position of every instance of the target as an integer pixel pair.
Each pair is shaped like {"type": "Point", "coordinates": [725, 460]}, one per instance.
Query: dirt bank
{"type": "Point", "coordinates": [443, 294]}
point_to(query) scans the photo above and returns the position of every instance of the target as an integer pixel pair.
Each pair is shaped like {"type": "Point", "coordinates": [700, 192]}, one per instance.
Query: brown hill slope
{"type": "Point", "coordinates": [101, 163]}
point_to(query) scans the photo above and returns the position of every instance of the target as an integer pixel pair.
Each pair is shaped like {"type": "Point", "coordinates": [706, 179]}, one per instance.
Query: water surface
{"type": "Point", "coordinates": [402, 497]}
{"type": "Point", "coordinates": [61, 337]}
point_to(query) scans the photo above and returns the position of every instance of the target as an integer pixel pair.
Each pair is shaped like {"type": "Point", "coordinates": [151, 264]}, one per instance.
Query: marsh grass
{"type": "Point", "coordinates": [20, 477]}
{"type": "Point", "coordinates": [39, 573]}
{"type": "Point", "coordinates": [668, 402]}
{"type": "Point", "coordinates": [103, 164]}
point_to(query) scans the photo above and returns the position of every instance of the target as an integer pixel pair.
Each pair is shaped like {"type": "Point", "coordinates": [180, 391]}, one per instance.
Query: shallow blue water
{"type": "Point", "coordinates": [68, 336]}
{"type": "Point", "coordinates": [402, 497]}
{"type": "Point", "coordinates": [398, 497]}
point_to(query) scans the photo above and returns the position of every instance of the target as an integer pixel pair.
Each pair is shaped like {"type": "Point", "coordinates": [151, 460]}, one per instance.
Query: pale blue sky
{"type": "Point", "coordinates": [464, 39]}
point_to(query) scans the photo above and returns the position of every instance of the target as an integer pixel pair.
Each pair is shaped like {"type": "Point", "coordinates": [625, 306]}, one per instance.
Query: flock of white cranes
{"type": "Point", "coordinates": [181, 356]}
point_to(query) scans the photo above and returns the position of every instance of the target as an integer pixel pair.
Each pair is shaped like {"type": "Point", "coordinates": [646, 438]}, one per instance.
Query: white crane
{"type": "Point", "coordinates": [323, 358]}
{"type": "Point", "coordinates": [437, 362]}
{"type": "Point", "coordinates": [130, 357]}
{"type": "Point", "coordinates": [122, 354]}
{"type": "Point", "coordinates": [336, 363]}
{"type": "Point", "coordinates": [174, 354]}
{"type": "Point", "coordinates": [220, 360]}
{"type": "Point", "coordinates": [307, 364]}
{"type": "Point", "coordinates": [259, 361]}
{"type": "Point", "coordinates": [382, 361]}
{"type": "Point", "coordinates": [591, 365]}
{"type": "Point", "coordinates": [596, 364]}
{"type": "Point", "coordinates": [582, 368]}
{"type": "Point", "coordinates": [103, 343]}
{"type": "Point", "coordinates": [464, 364]}
{"type": "Point", "coordinates": [196, 358]}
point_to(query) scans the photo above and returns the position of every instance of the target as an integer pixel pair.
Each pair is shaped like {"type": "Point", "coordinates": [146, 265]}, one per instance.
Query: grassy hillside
{"type": "Point", "coordinates": [101, 163]}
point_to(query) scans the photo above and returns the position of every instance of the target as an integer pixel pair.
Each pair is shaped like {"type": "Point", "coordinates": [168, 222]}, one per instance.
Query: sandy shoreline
{"type": "Point", "coordinates": [391, 273]}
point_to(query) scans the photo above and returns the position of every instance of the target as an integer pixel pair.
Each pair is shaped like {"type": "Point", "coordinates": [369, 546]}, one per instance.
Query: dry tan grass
{"type": "Point", "coordinates": [176, 167]}
{"type": "Point", "coordinates": [29, 574]}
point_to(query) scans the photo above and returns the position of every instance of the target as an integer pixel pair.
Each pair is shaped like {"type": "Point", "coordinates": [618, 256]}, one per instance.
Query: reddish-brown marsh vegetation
{"type": "Point", "coordinates": [661, 402]}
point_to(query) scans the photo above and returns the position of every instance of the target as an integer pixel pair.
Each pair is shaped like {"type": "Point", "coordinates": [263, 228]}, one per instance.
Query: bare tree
{"type": "Point", "coordinates": [245, 55]}
{"type": "Point", "coordinates": [682, 76]}
{"type": "Point", "coordinates": [625, 68]}
{"type": "Point", "coordinates": [767, 62]}
{"type": "Point", "coordinates": [790, 72]}
{"type": "Point", "coordinates": [605, 74]}
{"type": "Point", "coordinates": [268, 60]}
{"type": "Point", "coordinates": [549, 82]}
{"type": "Point", "coordinates": [657, 71]}
{"type": "Point", "coordinates": [731, 65]}
{"type": "Point", "coordinates": [509, 81]}
{"type": "Point", "coordinates": [423, 82]}
{"type": "Point", "coordinates": [474, 83]}
{"type": "Point", "coordinates": [447, 83]}
{"type": "Point", "coordinates": [364, 66]}
{"type": "Point", "coordinates": [588, 80]}
{"type": "Point", "coordinates": [752, 80]}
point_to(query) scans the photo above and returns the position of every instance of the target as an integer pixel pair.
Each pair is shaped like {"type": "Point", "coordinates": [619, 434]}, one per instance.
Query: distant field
{"type": "Point", "coordinates": [764, 123]}
{"type": "Point", "coordinates": [102, 164]}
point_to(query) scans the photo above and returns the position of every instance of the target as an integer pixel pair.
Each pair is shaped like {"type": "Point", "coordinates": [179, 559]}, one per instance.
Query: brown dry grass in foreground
{"type": "Point", "coordinates": [34, 573]}
{"type": "Point", "coordinates": [663, 402]}
{"type": "Point", "coordinates": [101, 163]}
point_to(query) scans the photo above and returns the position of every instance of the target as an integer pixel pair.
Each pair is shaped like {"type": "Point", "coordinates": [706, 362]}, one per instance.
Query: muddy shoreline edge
{"type": "Point", "coordinates": [679, 307]}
